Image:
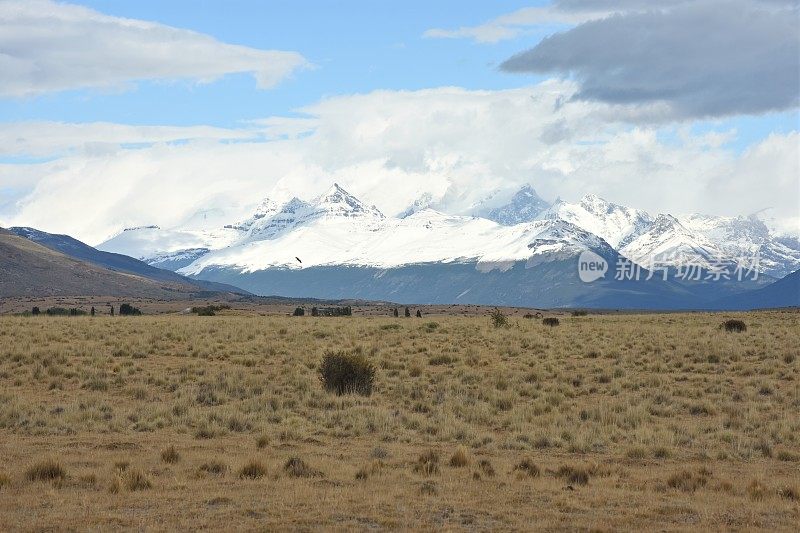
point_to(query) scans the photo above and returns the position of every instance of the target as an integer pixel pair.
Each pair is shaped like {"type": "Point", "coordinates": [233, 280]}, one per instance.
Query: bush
{"type": "Point", "coordinates": [579, 312]}
{"type": "Point", "coordinates": [527, 467]}
{"type": "Point", "coordinates": [688, 481]}
{"type": "Point", "coordinates": [47, 470]}
{"type": "Point", "coordinates": [170, 455]}
{"type": "Point", "coordinates": [136, 480]}
{"type": "Point", "coordinates": [128, 310]}
{"type": "Point", "coordinates": [207, 310]}
{"type": "Point", "coordinates": [460, 458]}
{"type": "Point", "coordinates": [427, 463]}
{"type": "Point", "coordinates": [736, 326]}
{"type": "Point", "coordinates": [60, 311]}
{"type": "Point", "coordinates": [296, 467]}
{"type": "Point", "coordinates": [252, 470]}
{"type": "Point", "coordinates": [550, 321]}
{"type": "Point", "coordinates": [347, 373]}
{"type": "Point", "coordinates": [499, 320]}
{"type": "Point", "coordinates": [216, 468]}
{"type": "Point", "coordinates": [574, 474]}
{"type": "Point", "coordinates": [299, 311]}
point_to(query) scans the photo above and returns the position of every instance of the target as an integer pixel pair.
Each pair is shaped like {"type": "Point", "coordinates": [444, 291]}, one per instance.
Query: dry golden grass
{"type": "Point", "coordinates": [604, 422]}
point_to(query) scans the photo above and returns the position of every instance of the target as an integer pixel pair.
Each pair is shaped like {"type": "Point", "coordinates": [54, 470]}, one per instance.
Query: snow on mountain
{"type": "Point", "coordinates": [265, 210]}
{"type": "Point", "coordinates": [748, 241]}
{"type": "Point", "coordinates": [153, 244]}
{"type": "Point", "coordinates": [423, 202]}
{"type": "Point", "coordinates": [525, 206]}
{"type": "Point", "coordinates": [337, 228]}
{"type": "Point", "coordinates": [618, 225]}
{"type": "Point", "coordinates": [427, 236]}
{"type": "Point", "coordinates": [667, 242]}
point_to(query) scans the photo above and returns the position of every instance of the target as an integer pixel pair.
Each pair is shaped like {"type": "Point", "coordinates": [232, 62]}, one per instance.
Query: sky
{"type": "Point", "coordinates": [116, 114]}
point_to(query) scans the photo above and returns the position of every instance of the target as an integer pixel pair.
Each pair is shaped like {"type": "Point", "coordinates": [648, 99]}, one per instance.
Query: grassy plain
{"type": "Point", "coordinates": [604, 422]}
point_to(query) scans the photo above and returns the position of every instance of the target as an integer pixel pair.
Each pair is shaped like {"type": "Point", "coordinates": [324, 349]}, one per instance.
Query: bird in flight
{"type": "Point", "coordinates": [298, 259]}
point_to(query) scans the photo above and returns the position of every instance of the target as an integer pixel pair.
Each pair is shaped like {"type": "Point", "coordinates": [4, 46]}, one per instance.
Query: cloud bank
{"type": "Point", "coordinates": [47, 46]}
{"type": "Point", "coordinates": [702, 59]}
{"type": "Point", "coordinates": [392, 147]}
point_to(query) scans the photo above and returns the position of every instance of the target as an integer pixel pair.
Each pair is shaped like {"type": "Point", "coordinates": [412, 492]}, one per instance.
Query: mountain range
{"type": "Point", "coordinates": [522, 253]}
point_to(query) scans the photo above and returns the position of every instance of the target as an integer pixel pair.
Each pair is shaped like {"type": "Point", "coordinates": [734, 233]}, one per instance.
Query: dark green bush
{"type": "Point", "coordinates": [128, 310]}
{"type": "Point", "coordinates": [580, 312]}
{"type": "Point", "coordinates": [734, 325]}
{"type": "Point", "coordinates": [347, 373]}
{"type": "Point", "coordinates": [499, 320]}
{"type": "Point", "coordinates": [299, 311]}
{"type": "Point", "coordinates": [550, 321]}
{"type": "Point", "coordinates": [209, 310]}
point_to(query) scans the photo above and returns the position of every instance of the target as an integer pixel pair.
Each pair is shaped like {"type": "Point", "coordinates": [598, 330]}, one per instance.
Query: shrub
{"type": "Point", "coordinates": [136, 480]}
{"type": "Point", "coordinates": [5, 481]}
{"type": "Point", "coordinates": [486, 467]}
{"type": "Point", "coordinates": [756, 490]}
{"type": "Point", "coordinates": [527, 467]}
{"type": "Point", "coordinates": [347, 373]}
{"type": "Point", "coordinates": [296, 467]}
{"type": "Point", "coordinates": [460, 458]}
{"type": "Point", "coordinates": [427, 463]}
{"type": "Point", "coordinates": [550, 321]}
{"type": "Point", "coordinates": [688, 481]}
{"type": "Point", "coordinates": [252, 470]}
{"type": "Point", "coordinates": [372, 469]}
{"type": "Point", "coordinates": [262, 441]}
{"type": "Point", "coordinates": [499, 320]}
{"type": "Point", "coordinates": [216, 468]}
{"type": "Point", "coordinates": [170, 455]}
{"type": "Point", "coordinates": [129, 310]}
{"type": "Point", "coordinates": [736, 326]}
{"type": "Point", "coordinates": [47, 470]}
{"type": "Point", "coordinates": [299, 311]}
{"type": "Point", "coordinates": [574, 474]}
{"type": "Point", "coordinates": [579, 312]}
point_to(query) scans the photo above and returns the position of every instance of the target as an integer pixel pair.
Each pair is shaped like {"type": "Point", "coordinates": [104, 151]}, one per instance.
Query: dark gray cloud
{"type": "Point", "coordinates": [703, 59]}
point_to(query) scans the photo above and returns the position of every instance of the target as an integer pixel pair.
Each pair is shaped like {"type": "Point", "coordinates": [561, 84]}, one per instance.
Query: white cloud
{"type": "Point", "coordinates": [513, 24]}
{"type": "Point", "coordinates": [47, 46]}
{"type": "Point", "coordinates": [46, 139]}
{"type": "Point", "coordinates": [390, 147]}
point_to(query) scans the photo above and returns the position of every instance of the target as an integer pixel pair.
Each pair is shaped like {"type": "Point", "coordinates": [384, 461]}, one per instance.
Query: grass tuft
{"type": "Point", "coordinates": [47, 470]}
{"type": "Point", "coordinates": [427, 464]}
{"type": "Point", "coordinates": [253, 469]}
{"type": "Point", "coordinates": [170, 455]}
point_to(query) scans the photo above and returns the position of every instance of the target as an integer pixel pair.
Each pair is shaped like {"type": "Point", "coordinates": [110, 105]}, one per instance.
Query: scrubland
{"type": "Point", "coordinates": [603, 422]}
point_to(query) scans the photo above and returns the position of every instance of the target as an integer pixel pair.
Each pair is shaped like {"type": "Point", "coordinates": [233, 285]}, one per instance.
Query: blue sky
{"type": "Point", "coordinates": [391, 58]}
{"type": "Point", "coordinates": [355, 46]}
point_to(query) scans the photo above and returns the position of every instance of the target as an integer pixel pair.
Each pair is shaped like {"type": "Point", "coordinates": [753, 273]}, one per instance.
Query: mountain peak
{"type": "Point", "coordinates": [524, 206]}
{"type": "Point", "coordinates": [337, 202]}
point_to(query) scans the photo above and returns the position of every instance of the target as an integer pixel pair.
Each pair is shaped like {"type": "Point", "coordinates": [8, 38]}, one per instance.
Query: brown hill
{"type": "Point", "coordinates": [30, 269]}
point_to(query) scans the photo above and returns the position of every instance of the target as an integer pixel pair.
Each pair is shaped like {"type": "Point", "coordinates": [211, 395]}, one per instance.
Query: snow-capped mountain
{"type": "Point", "coordinates": [336, 230]}
{"type": "Point", "coordinates": [617, 224]}
{"type": "Point", "coordinates": [747, 240]}
{"type": "Point", "coordinates": [667, 242]}
{"type": "Point", "coordinates": [525, 206]}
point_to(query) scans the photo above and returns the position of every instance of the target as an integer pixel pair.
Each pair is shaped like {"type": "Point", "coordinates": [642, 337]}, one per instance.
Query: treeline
{"type": "Point", "coordinates": [124, 310]}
